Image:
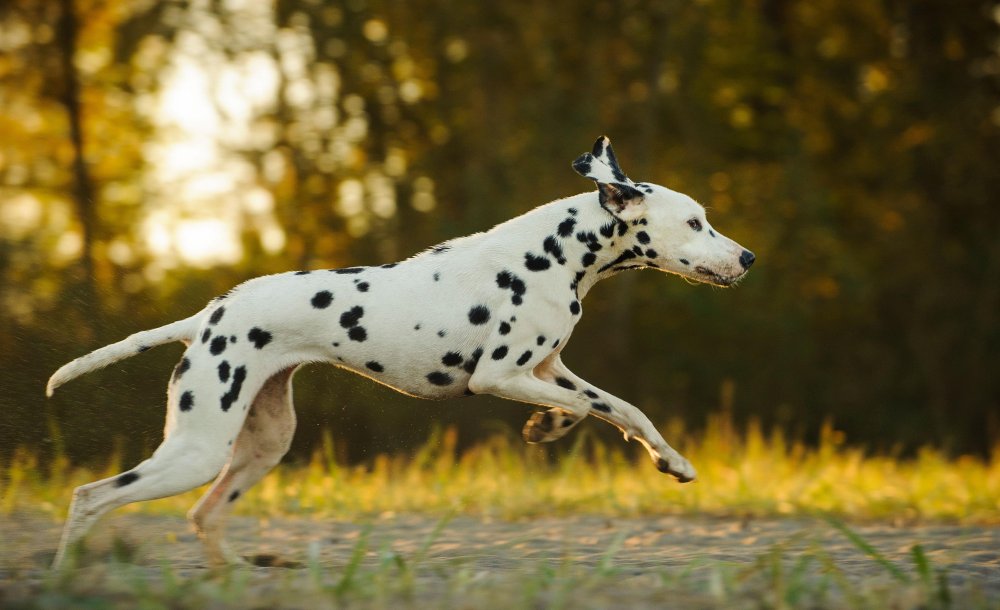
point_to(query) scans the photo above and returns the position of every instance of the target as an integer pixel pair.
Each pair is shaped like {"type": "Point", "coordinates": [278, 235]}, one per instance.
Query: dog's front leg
{"type": "Point", "coordinates": [584, 400]}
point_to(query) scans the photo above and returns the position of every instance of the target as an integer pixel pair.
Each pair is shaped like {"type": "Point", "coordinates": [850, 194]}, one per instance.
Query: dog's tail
{"type": "Point", "coordinates": [182, 330]}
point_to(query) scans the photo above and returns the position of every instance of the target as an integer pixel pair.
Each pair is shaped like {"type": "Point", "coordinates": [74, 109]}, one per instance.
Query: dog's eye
{"type": "Point", "coordinates": [695, 224]}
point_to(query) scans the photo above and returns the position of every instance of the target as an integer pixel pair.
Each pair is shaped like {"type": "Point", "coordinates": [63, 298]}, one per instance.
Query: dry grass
{"type": "Point", "coordinates": [750, 474]}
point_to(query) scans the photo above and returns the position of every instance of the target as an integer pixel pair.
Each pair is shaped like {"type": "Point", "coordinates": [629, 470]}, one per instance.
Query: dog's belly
{"type": "Point", "coordinates": [417, 331]}
{"type": "Point", "coordinates": [455, 386]}
{"type": "Point", "coordinates": [418, 362]}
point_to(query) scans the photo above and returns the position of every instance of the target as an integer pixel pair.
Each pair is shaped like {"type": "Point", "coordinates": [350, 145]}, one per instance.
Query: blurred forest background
{"type": "Point", "coordinates": [155, 153]}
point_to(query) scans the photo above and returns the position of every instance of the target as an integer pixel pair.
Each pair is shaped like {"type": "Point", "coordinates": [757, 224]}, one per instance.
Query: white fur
{"type": "Point", "coordinates": [487, 314]}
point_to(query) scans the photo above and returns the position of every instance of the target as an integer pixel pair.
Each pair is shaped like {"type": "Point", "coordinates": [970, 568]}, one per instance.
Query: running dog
{"type": "Point", "coordinates": [484, 314]}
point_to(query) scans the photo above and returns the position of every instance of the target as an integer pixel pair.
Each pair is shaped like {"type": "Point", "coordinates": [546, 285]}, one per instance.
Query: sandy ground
{"type": "Point", "coordinates": [638, 547]}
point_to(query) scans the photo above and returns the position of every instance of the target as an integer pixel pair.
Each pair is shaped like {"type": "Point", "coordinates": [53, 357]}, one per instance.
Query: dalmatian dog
{"type": "Point", "coordinates": [484, 314]}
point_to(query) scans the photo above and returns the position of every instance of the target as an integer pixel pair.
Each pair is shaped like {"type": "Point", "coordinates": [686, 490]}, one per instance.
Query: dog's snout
{"type": "Point", "coordinates": [747, 259]}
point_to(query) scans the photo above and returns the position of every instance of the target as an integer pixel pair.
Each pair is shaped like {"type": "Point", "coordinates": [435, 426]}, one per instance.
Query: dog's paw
{"type": "Point", "coordinates": [678, 467]}
{"type": "Point", "coordinates": [546, 426]}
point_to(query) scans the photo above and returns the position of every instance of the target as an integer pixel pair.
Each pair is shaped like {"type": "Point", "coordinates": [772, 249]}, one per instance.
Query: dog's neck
{"type": "Point", "coordinates": [580, 240]}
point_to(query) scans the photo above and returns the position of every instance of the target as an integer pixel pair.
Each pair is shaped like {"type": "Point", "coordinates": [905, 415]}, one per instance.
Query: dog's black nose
{"type": "Point", "coordinates": [747, 259]}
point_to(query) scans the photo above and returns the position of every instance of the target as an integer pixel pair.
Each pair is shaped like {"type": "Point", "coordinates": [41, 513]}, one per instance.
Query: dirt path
{"type": "Point", "coordinates": [638, 550]}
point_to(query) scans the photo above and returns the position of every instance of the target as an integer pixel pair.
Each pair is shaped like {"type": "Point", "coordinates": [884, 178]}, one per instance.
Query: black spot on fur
{"type": "Point", "coordinates": [417, 327]}
{"type": "Point", "coordinates": [375, 366]}
{"type": "Point", "coordinates": [555, 344]}
{"type": "Point", "coordinates": [363, 287]}
{"type": "Point", "coordinates": [234, 495]}
{"type": "Point", "coordinates": [588, 259]}
{"type": "Point", "coordinates": [218, 346]}
{"type": "Point", "coordinates": [582, 165]}
{"type": "Point", "coordinates": [142, 348]}
{"type": "Point", "coordinates": [600, 406]}
{"type": "Point", "coordinates": [440, 248]}
{"type": "Point", "coordinates": [216, 316]}
{"type": "Point", "coordinates": [224, 371]}
{"type": "Point", "coordinates": [439, 378]}
{"type": "Point", "coordinates": [574, 308]}
{"type": "Point", "coordinates": [585, 237]}
{"type": "Point", "coordinates": [551, 245]}
{"type": "Point", "coordinates": [637, 250]}
{"type": "Point", "coordinates": [651, 253]}
{"type": "Point", "coordinates": [526, 356]}
{"type": "Point", "coordinates": [608, 230]}
{"type": "Point", "coordinates": [350, 318]}
{"type": "Point", "coordinates": [239, 376]}
{"type": "Point", "coordinates": [562, 382]}
{"type": "Point", "coordinates": [303, 272]}
{"type": "Point", "coordinates": [322, 299]}
{"type": "Point", "coordinates": [643, 237]}
{"type": "Point", "coordinates": [452, 359]}
{"type": "Point", "coordinates": [186, 401]}
{"type": "Point", "coordinates": [479, 315]}
{"type": "Point", "coordinates": [232, 338]}
{"type": "Point", "coordinates": [590, 393]}
{"type": "Point", "coordinates": [259, 337]}
{"type": "Point", "coordinates": [441, 333]}
{"type": "Point", "coordinates": [126, 479]}
{"type": "Point", "coordinates": [504, 328]}
{"type": "Point", "coordinates": [437, 276]}
{"type": "Point", "coordinates": [540, 340]}
{"type": "Point", "coordinates": [205, 336]}
{"type": "Point", "coordinates": [388, 265]}
{"type": "Point", "coordinates": [684, 261]}
{"type": "Point", "coordinates": [499, 353]}
{"type": "Point", "coordinates": [536, 263]}
{"type": "Point", "coordinates": [565, 228]}
{"type": "Point", "coordinates": [624, 256]}
{"type": "Point", "coordinates": [572, 211]}
{"type": "Point", "coordinates": [358, 333]}
{"type": "Point", "coordinates": [349, 270]}
{"type": "Point", "coordinates": [181, 368]}
{"type": "Point", "coordinates": [503, 279]}
{"type": "Point", "coordinates": [471, 364]}
{"type": "Point", "coordinates": [622, 227]}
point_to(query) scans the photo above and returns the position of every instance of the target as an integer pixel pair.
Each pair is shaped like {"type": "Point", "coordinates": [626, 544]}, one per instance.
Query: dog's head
{"type": "Point", "coordinates": [670, 228]}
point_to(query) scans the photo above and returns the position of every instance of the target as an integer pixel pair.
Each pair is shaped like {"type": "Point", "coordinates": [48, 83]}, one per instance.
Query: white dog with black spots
{"type": "Point", "coordinates": [484, 314]}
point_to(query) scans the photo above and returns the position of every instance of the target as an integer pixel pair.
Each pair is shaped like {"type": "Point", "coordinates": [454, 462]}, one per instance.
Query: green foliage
{"type": "Point", "coordinates": [851, 145]}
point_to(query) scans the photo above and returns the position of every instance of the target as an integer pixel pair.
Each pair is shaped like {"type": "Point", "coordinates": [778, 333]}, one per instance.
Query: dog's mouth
{"type": "Point", "coordinates": [713, 277]}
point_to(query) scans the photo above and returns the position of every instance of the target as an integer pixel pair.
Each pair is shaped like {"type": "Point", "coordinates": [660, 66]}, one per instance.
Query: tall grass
{"type": "Point", "coordinates": [749, 473]}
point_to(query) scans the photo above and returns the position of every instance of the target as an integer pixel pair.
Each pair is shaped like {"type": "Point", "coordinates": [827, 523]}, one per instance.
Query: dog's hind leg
{"type": "Point", "coordinates": [263, 440]}
{"type": "Point", "coordinates": [179, 464]}
{"type": "Point", "coordinates": [197, 445]}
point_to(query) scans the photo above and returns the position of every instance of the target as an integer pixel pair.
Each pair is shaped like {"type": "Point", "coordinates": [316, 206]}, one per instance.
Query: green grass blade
{"type": "Point", "coordinates": [923, 566]}
{"type": "Point", "coordinates": [868, 549]}
{"type": "Point", "coordinates": [351, 569]}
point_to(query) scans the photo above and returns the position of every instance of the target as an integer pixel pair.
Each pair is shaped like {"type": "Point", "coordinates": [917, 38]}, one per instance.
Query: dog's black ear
{"type": "Point", "coordinates": [617, 197]}
{"type": "Point", "coordinates": [617, 192]}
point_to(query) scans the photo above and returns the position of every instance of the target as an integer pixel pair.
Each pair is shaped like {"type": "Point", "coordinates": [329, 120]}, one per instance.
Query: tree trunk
{"type": "Point", "coordinates": [82, 188]}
